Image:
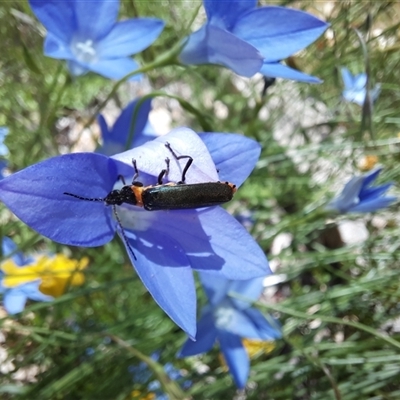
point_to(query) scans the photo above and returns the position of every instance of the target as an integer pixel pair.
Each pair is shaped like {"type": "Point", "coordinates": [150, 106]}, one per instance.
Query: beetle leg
{"type": "Point", "coordinates": [188, 164]}
{"type": "Point", "coordinates": [136, 175]}
{"type": "Point", "coordinates": [163, 173]}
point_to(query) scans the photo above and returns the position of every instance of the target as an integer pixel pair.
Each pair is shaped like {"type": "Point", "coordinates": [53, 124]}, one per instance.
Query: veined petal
{"type": "Point", "coordinates": [231, 241]}
{"type": "Point", "coordinates": [235, 356]}
{"type": "Point", "coordinates": [56, 48]}
{"type": "Point", "coordinates": [183, 141]}
{"type": "Point", "coordinates": [58, 17]}
{"type": "Point", "coordinates": [278, 70]}
{"type": "Point", "coordinates": [114, 69]}
{"type": "Point", "coordinates": [130, 37]}
{"type": "Point", "coordinates": [205, 338]}
{"type": "Point", "coordinates": [224, 14]}
{"type": "Point", "coordinates": [278, 32]}
{"type": "Point", "coordinates": [234, 155]}
{"type": "Point", "coordinates": [36, 196]}
{"type": "Point", "coordinates": [213, 45]}
{"type": "Point", "coordinates": [94, 20]}
{"type": "Point", "coordinates": [165, 271]}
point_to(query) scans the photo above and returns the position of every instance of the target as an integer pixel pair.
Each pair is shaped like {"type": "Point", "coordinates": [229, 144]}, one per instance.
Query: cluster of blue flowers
{"type": "Point", "coordinates": [166, 246]}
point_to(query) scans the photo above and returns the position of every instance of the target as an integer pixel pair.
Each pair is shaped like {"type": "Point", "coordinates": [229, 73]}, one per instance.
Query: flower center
{"type": "Point", "coordinates": [84, 50]}
{"type": "Point", "coordinates": [224, 316]}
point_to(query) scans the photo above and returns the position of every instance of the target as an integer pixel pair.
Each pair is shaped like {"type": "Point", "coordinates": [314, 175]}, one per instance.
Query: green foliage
{"type": "Point", "coordinates": [338, 303]}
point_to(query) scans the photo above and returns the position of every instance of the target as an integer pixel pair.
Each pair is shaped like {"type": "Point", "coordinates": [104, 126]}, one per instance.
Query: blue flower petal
{"type": "Point", "coordinates": [213, 45]}
{"type": "Point", "coordinates": [224, 14]}
{"type": "Point", "coordinates": [373, 204]}
{"type": "Point", "coordinates": [56, 48]}
{"type": "Point", "coordinates": [347, 78]}
{"type": "Point", "coordinates": [9, 247]}
{"type": "Point", "coordinates": [234, 155]}
{"type": "Point", "coordinates": [205, 338]}
{"type": "Point", "coordinates": [231, 242]}
{"type": "Point", "coordinates": [277, 70]}
{"type": "Point", "coordinates": [165, 271]}
{"type": "Point", "coordinates": [130, 37]}
{"type": "Point", "coordinates": [183, 141]}
{"type": "Point", "coordinates": [360, 81]}
{"type": "Point", "coordinates": [374, 192]}
{"type": "Point", "coordinates": [14, 301]}
{"type": "Point", "coordinates": [36, 196]}
{"type": "Point", "coordinates": [216, 287]}
{"type": "Point", "coordinates": [114, 69]}
{"type": "Point", "coordinates": [94, 20]}
{"type": "Point", "coordinates": [249, 289]}
{"type": "Point", "coordinates": [235, 356]}
{"type": "Point", "coordinates": [58, 17]}
{"type": "Point", "coordinates": [278, 32]}
{"type": "Point", "coordinates": [267, 329]}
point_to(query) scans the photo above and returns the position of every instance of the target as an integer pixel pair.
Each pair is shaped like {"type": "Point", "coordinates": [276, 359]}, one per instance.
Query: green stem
{"type": "Point", "coordinates": [170, 387]}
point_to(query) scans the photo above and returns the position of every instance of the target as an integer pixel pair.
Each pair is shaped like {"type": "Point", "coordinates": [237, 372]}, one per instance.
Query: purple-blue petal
{"type": "Point", "coordinates": [57, 48]}
{"type": "Point", "coordinates": [58, 17]}
{"type": "Point", "coordinates": [250, 289]}
{"type": "Point", "coordinates": [114, 68]}
{"type": "Point", "coordinates": [373, 204]}
{"type": "Point", "coordinates": [130, 37]}
{"type": "Point", "coordinates": [277, 70]}
{"type": "Point", "coordinates": [151, 156]}
{"type": "Point", "coordinates": [278, 32]}
{"type": "Point", "coordinates": [235, 356]}
{"type": "Point", "coordinates": [370, 177]}
{"type": "Point", "coordinates": [94, 20]}
{"type": "Point", "coordinates": [14, 301]}
{"type": "Point", "coordinates": [9, 247]}
{"type": "Point", "coordinates": [374, 192]}
{"type": "Point", "coordinates": [216, 287]}
{"type": "Point", "coordinates": [205, 338]}
{"type": "Point", "coordinates": [224, 14]}
{"type": "Point", "coordinates": [231, 241]}
{"type": "Point", "coordinates": [234, 155]}
{"type": "Point", "coordinates": [131, 116]}
{"type": "Point", "coordinates": [267, 329]}
{"type": "Point", "coordinates": [347, 77]}
{"type": "Point", "coordinates": [36, 196]}
{"type": "Point", "coordinates": [164, 269]}
{"type": "Point", "coordinates": [212, 45]}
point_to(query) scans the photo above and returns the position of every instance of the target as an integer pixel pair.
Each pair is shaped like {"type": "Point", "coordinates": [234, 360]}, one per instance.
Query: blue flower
{"type": "Point", "coordinates": [248, 40]}
{"type": "Point", "coordinates": [229, 320]}
{"type": "Point", "coordinates": [3, 147]}
{"type": "Point", "coordinates": [359, 197]}
{"type": "Point", "coordinates": [16, 295]}
{"type": "Point", "coordinates": [142, 374]}
{"type": "Point", "coordinates": [131, 126]}
{"type": "Point", "coordinates": [355, 87]}
{"type": "Point", "coordinates": [167, 244]}
{"type": "Point", "coordinates": [87, 35]}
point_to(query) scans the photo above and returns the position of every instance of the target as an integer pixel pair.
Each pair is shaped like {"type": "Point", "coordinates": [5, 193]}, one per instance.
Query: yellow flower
{"type": "Point", "coordinates": [255, 347]}
{"type": "Point", "coordinates": [368, 162]}
{"type": "Point", "coordinates": [56, 273]}
{"type": "Point", "coordinates": [137, 394]}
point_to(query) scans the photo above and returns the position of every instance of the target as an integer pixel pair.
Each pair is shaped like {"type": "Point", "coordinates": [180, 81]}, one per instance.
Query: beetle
{"type": "Point", "coordinates": [165, 196]}
{"type": "Point", "coordinates": [168, 196]}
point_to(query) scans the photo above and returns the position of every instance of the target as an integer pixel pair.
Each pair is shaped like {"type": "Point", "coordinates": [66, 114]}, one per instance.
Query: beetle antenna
{"type": "Point", "coordinates": [123, 232]}
{"type": "Point", "coordinates": [85, 198]}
